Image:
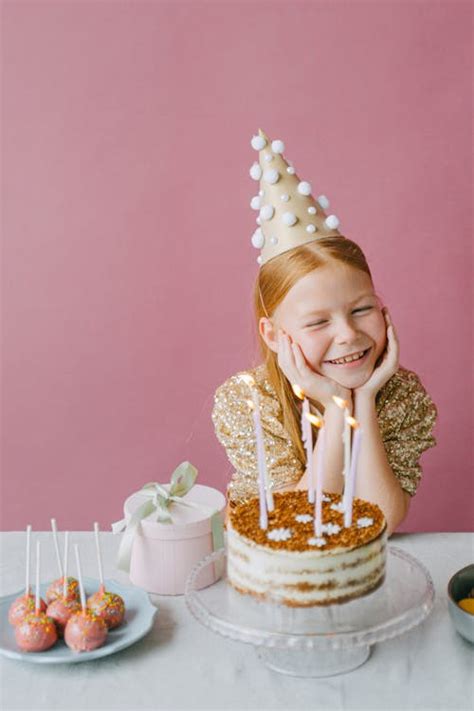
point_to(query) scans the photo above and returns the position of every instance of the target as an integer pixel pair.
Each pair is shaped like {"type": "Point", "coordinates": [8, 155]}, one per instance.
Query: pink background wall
{"type": "Point", "coordinates": [126, 225]}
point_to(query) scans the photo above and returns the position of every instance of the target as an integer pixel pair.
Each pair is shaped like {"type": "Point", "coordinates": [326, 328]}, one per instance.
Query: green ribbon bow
{"type": "Point", "coordinates": [159, 498]}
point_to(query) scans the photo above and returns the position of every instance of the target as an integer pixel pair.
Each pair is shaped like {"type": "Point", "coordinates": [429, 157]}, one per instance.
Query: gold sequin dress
{"type": "Point", "coordinates": [405, 412]}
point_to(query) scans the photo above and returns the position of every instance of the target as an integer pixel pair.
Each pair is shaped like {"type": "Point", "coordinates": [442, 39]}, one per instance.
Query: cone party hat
{"type": "Point", "coordinates": [288, 215]}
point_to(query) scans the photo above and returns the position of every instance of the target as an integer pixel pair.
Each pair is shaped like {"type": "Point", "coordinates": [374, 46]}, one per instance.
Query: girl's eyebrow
{"type": "Point", "coordinates": [351, 303]}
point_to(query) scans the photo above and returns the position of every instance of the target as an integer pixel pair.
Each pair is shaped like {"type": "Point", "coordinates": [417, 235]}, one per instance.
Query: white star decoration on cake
{"type": "Point", "coordinates": [279, 534]}
{"type": "Point", "coordinates": [317, 542]}
{"type": "Point", "coordinates": [303, 518]}
{"type": "Point", "coordinates": [330, 528]}
{"type": "Point", "coordinates": [338, 507]}
{"type": "Point", "coordinates": [364, 522]}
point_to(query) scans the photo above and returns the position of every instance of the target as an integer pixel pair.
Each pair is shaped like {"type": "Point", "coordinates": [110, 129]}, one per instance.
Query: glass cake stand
{"type": "Point", "coordinates": [315, 641]}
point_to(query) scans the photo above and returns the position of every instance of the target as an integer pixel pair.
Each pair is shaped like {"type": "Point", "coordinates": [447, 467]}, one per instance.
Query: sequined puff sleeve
{"type": "Point", "coordinates": [408, 417]}
{"type": "Point", "coordinates": [233, 423]}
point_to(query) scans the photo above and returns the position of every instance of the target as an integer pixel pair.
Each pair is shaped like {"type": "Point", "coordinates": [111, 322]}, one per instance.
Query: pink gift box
{"type": "Point", "coordinates": [163, 554]}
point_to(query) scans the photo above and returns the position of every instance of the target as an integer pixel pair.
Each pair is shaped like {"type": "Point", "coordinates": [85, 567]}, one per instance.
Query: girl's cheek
{"type": "Point", "coordinates": [313, 350]}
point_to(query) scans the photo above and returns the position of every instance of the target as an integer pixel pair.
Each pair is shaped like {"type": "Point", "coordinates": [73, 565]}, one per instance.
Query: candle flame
{"type": "Point", "coordinates": [340, 402]}
{"type": "Point", "coordinates": [315, 420]}
{"type": "Point", "coordinates": [250, 404]}
{"type": "Point", "coordinates": [247, 379]}
{"type": "Point", "coordinates": [298, 391]}
{"type": "Point", "coordinates": [352, 421]}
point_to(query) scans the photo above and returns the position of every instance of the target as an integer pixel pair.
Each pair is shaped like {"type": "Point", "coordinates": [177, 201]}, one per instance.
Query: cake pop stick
{"type": "Point", "coordinates": [56, 546]}
{"type": "Point", "coordinates": [99, 557]}
{"type": "Point", "coordinates": [36, 632]}
{"type": "Point", "coordinates": [56, 589]}
{"type": "Point", "coordinates": [66, 546]}
{"type": "Point", "coordinates": [84, 630]}
{"type": "Point", "coordinates": [28, 550]}
{"type": "Point", "coordinates": [107, 605]}
{"type": "Point", "coordinates": [62, 608]}
{"type": "Point", "coordinates": [25, 604]}
{"type": "Point", "coordinates": [79, 575]}
{"type": "Point", "coordinates": [37, 599]}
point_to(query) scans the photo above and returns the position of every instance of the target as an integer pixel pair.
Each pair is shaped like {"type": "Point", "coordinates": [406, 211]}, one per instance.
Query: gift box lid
{"type": "Point", "coordinates": [188, 522]}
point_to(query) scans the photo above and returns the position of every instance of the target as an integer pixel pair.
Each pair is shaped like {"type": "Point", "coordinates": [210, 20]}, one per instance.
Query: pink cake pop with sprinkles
{"type": "Point", "coordinates": [36, 632]}
{"type": "Point", "coordinates": [107, 605]}
{"type": "Point", "coordinates": [25, 604]}
{"type": "Point", "coordinates": [55, 590]}
{"type": "Point", "coordinates": [61, 609]}
{"type": "Point", "coordinates": [84, 631]}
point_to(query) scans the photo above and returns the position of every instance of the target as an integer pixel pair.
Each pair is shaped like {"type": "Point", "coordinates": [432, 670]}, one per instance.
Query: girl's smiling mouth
{"type": "Point", "coordinates": [356, 360]}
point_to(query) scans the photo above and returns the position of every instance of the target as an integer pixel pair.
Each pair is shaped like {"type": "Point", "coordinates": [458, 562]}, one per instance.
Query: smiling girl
{"type": "Point", "coordinates": [322, 326]}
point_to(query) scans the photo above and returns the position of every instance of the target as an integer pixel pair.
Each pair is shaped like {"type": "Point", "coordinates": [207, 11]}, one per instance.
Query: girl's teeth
{"type": "Point", "coordinates": [348, 360]}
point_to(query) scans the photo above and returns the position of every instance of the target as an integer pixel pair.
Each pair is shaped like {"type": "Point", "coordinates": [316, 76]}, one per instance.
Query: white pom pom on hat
{"type": "Point", "coordinates": [267, 212]}
{"type": "Point", "coordinates": [271, 176]}
{"type": "Point", "coordinates": [304, 188]}
{"type": "Point", "coordinates": [332, 222]}
{"type": "Point", "coordinates": [258, 142]}
{"type": "Point", "coordinates": [255, 172]}
{"type": "Point", "coordinates": [289, 218]}
{"type": "Point", "coordinates": [278, 146]}
{"type": "Point", "coordinates": [258, 238]}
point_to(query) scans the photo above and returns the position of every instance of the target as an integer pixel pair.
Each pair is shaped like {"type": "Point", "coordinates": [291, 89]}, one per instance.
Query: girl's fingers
{"type": "Point", "coordinates": [286, 359]}
{"type": "Point", "coordinates": [300, 361]}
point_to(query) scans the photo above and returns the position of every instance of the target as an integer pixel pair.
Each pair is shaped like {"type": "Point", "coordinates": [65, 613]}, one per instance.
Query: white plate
{"type": "Point", "coordinates": [139, 616]}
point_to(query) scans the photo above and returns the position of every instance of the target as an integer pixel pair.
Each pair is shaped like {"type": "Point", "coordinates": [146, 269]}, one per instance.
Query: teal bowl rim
{"type": "Point", "coordinates": [451, 583]}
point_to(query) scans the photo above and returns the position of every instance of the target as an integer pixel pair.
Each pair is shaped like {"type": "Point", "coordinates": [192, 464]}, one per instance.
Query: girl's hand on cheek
{"type": "Point", "coordinates": [388, 361]}
{"type": "Point", "coordinates": [317, 387]}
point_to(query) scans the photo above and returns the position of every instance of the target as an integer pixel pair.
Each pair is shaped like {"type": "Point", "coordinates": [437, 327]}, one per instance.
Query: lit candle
{"type": "Point", "coordinates": [261, 483]}
{"type": "Point", "coordinates": [352, 473]}
{"type": "Point", "coordinates": [307, 437]}
{"type": "Point", "coordinates": [318, 506]}
{"type": "Point", "coordinates": [264, 479]}
{"type": "Point", "coordinates": [346, 439]}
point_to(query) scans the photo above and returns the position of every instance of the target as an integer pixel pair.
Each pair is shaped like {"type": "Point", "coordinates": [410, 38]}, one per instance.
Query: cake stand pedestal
{"type": "Point", "coordinates": [315, 641]}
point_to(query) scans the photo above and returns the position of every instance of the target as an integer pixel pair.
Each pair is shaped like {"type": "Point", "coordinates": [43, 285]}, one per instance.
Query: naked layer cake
{"type": "Point", "coordinates": [289, 564]}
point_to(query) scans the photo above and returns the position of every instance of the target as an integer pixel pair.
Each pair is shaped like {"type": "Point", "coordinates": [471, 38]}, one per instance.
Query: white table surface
{"type": "Point", "coordinates": [182, 665]}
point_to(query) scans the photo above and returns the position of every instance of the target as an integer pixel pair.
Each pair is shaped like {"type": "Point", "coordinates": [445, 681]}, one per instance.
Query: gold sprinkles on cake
{"type": "Point", "coordinates": [291, 504]}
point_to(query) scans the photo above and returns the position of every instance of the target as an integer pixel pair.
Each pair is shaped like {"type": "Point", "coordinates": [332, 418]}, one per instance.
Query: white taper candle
{"type": "Point", "coordinates": [351, 478]}
{"type": "Point", "coordinates": [318, 514]}
{"type": "Point", "coordinates": [307, 436]}
{"type": "Point", "coordinates": [346, 438]}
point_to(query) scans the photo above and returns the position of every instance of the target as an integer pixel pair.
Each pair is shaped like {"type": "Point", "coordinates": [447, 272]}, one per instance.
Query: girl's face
{"type": "Point", "coordinates": [332, 312]}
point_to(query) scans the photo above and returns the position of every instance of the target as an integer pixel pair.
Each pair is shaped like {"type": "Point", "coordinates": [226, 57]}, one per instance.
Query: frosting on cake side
{"type": "Point", "coordinates": [288, 563]}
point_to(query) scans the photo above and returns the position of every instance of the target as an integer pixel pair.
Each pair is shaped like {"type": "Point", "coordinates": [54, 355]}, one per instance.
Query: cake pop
{"type": "Point", "coordinates": [61, 609]}
{"type": "Point", "coordinates": [56, 588]}
{"type": "Point", "coordinates": [25, 604]}
{"type": "Point", "coordinates": [107, 605]}
{"type": "Point", "coordinates": [36, 632]}
{"type": "Point", "coordinates": [84, 631]}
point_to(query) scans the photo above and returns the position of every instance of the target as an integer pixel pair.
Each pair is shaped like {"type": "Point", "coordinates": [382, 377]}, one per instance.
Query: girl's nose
{"type": "Point", "coordinates": [345, 332]}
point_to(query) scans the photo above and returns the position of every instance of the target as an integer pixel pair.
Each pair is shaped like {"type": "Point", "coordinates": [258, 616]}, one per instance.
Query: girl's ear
{"type": "Point", "coordinates": [269, 333]}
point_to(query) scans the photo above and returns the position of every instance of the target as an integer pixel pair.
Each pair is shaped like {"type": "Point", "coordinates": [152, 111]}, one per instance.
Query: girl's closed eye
{"type": "Point", "coordinates": [360, 309]}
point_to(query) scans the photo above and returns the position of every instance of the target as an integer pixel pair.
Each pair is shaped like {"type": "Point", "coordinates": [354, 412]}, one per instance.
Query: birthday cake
{"type": "Point", "coordinates": [289, 564]}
